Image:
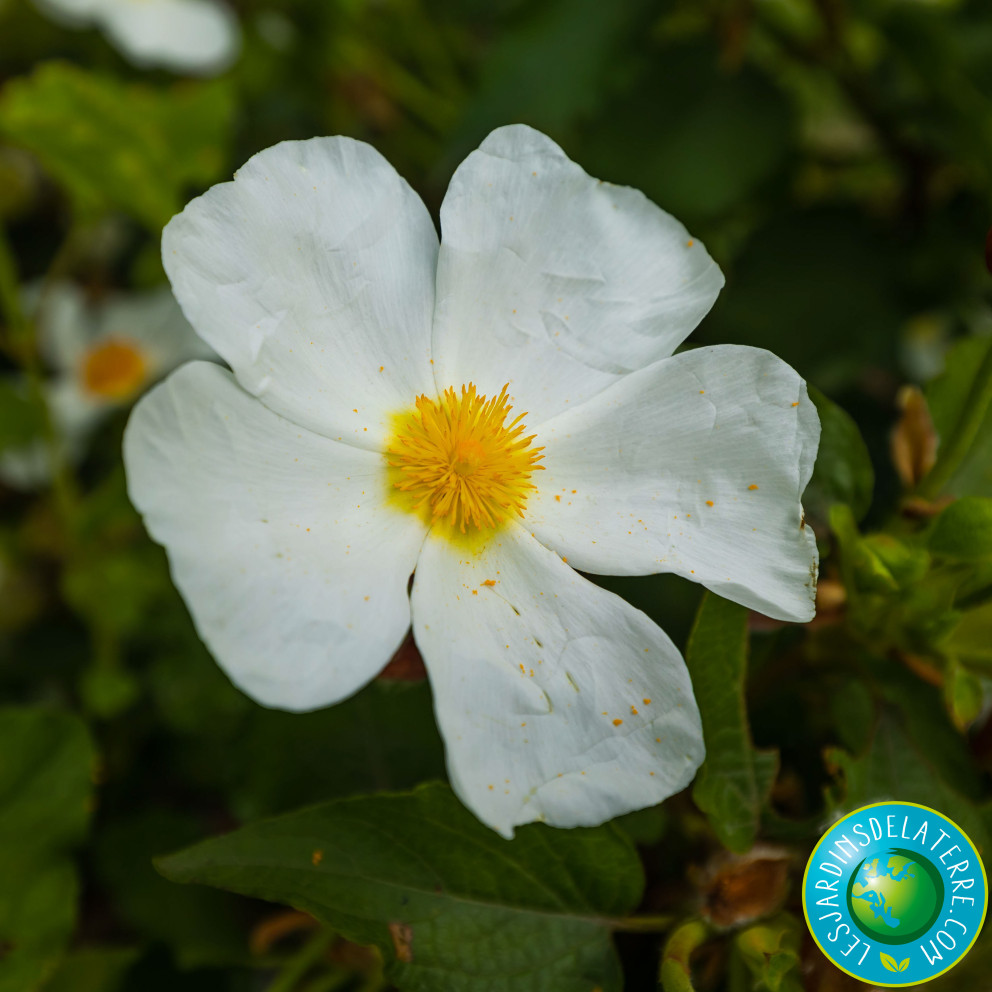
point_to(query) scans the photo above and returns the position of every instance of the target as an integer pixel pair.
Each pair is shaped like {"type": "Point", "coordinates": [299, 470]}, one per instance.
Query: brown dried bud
{"type": "Point", "coordinates": [913, 441]}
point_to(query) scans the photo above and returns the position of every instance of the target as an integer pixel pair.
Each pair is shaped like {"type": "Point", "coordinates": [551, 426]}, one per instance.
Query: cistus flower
{"type": "Point", "coordinates": [199, 37]}
{"type": "Point", "coordinates": [101, 356]}
{"type": "Point", "coordinates": [489, 416]}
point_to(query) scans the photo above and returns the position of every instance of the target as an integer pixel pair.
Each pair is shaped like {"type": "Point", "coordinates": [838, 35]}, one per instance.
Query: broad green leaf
{"type": "Point", "coordinates": [452, 906]}
{"type": "Point", "coordinates": [888, 962]}
{"type": "Point", "coordinates": [964, 530]}
{"type": "Point", "coordinates": [735, 779]}
{"type": "Point", "coordinates": [117, 145]}
{"type": "Point", "coordinates": [843, 472]}
{"type": "Point", "coordinates": [960, 403]}
{"type": "Point", "coordinates": [46, 772]}
{"type": "Point", "coordinates": [770, 952]}
{"type": "Point", "coordinates": [896, 767]}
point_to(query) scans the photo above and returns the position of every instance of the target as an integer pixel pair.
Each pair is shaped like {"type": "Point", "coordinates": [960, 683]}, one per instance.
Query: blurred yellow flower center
{"type": "Point", "coordinates": [113, 370]}
{"type": "Point", "coordinates": [458, 461]}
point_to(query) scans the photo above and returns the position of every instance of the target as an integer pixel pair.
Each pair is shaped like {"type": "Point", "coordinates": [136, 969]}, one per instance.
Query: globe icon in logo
{"type": "Point", "coordinates": [894, 896]}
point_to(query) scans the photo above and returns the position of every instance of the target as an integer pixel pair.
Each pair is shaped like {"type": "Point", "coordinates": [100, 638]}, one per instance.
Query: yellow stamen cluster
{"type": "Point", "coordinates": [458, 459]}
{"type": "Point", "coordinates": [113, 370]}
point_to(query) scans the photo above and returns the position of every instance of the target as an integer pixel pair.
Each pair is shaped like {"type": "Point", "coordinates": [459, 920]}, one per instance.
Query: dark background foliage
{"type": "Point", "coordinates": [836, 158]}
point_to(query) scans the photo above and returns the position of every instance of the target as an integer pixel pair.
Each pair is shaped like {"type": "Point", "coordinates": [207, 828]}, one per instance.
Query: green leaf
{"type": "Point", "coordinates": [450, 904]}
{"type": "Point", "coordinates": [964, 530]}
{"type": "Point", "coordinates": [888, 962]}
{"type": "Point", "coordinates": [843, 472]}
{"type": "Point", "coordinates": [896, 766]}
{"type": "Point", "coordinates": [770, 952]}
{"type": "Point", "coordinates": [960, 402]}
{"type": "Point", "coordinates": [117, 145]}
{"type": "Point", "coordinates": [46, 772]}
{"type": "Point", "coordinates": [971, 639]}
{"type": "Point", "coordinates": [963, 694]}
{"type": "Point", "coordinates": [735, 779]}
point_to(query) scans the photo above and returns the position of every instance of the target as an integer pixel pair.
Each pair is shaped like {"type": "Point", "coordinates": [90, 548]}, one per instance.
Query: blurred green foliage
{"type": "Point", "coordinates": [836, 158]}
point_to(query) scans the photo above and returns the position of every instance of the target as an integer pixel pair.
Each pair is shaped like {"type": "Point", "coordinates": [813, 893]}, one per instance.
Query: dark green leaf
{"type": "Point", "coordinates": [895, 767]}
{"type": "Point", "coordinates": [843, 471]}
{"type": "Point", "coordinates": [450, 904]}
{"type": "Point", "coordinates": [735, 779]}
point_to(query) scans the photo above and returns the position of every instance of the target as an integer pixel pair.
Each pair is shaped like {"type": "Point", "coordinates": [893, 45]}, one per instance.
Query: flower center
{"type": "Point", "coordinates": [113, 370]}
{"type": "Point", "coordinates": [457, 460]}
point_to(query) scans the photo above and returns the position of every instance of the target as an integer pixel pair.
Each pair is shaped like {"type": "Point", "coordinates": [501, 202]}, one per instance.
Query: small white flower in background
{"type": "Point", "coordinates": [101, 357]}
{"type": "Point", "coordinates": [367, 431]}
{"type": "Point", "coordinates": [199, 37]}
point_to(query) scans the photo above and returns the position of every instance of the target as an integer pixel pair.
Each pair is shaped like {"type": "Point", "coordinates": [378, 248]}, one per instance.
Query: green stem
{"type": "Point", "coordinates": [311, 952]}
{"type": "Point", "coordinates": [643, 924]}
{"type": "Point", "coordinates": [676, 974]}
{"type": "Point", "coordinates": [956, 447]}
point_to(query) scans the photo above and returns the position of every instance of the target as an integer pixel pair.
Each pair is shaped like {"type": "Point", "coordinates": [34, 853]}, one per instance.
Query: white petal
{"type": "Point", "coordinates": [312, 275]}
{"type": "Point", "coordinates": [630, 477]}
{"type": "Point", "coordinates": [540, 680]}
{"type": "Point", "coordinates": [154, 322]}
{"type": "Point", "coordinates": [555, 282]}
{"type": "Point", "coordinates": [195, 36]}
{"type": "Point", "coordinates": [293, 568]}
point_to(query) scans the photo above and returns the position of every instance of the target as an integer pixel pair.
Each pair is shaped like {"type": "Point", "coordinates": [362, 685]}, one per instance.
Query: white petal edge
{"type": "Point", "coordinates": [292, 566]}
{"type": "Point", "coordinates": [540, 679]}
{"type": "Point", "coordinates": [199, 37]}
{"type": "Point", "coordinates": [555, 282]}
{"type": "Point", "coordinates": [696, 466]}
{"type": "Point", "coordinates": [312, 275]}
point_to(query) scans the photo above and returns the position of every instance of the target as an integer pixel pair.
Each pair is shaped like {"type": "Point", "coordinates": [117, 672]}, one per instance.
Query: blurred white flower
{"type": "Point", "coordinates": [354, 443]}
{"type": "Point", "coordinates": [199, 37]}
{"type": "Point", "coordinates": [101, 357]}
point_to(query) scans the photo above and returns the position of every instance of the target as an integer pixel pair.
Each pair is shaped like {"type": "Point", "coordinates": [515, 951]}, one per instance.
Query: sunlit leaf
{"type": "Point", "coordinates": [119, 145]}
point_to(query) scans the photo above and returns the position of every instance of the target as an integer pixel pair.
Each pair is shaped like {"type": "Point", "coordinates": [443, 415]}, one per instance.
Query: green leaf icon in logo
{"type": "Point", "coordinates": [889, 962]}
{"type": "Point", "coordinates": [903, 965]}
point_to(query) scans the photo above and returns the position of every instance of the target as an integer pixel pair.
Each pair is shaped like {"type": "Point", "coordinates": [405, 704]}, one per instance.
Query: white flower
{"type": "Point", "coordinates": [102, 357]}
{"type": "Point", "coordinates": [200, 37]}
{"type": "Point", "coordinates": [296, 496]}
